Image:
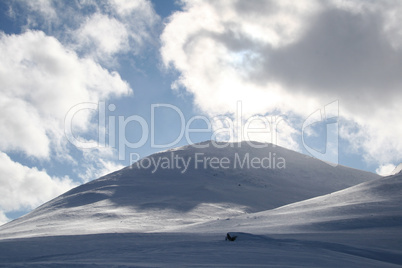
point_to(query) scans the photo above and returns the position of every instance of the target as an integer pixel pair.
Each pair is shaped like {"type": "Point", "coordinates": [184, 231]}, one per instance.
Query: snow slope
{"type": "Point", "coordinates": [149, 198]}
{"type": "Point", "coordinates": [301, 216]}
{"type": "Point", "coordinates": [397, 169]}
{"type": "Point", "coordinates": [187, 250]}
{"type": "Point", "coordinates": [371, 205]}
{"type": "Point", "coordinates": [361, 221]}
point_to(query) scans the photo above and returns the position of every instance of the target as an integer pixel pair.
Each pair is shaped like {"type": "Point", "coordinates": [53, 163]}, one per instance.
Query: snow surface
{"type": "Point", "coordinates": [308, 214]}
{"type": "Point", "coordinates": [397, 169]}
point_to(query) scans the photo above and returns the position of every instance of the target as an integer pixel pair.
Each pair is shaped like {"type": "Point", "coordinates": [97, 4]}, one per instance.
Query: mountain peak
{"type": "Point", "coordinates": [188, 185]}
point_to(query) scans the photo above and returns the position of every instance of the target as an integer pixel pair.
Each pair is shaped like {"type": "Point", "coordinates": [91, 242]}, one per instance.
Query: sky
{"type": "Point", "coordinates": [88, 87]}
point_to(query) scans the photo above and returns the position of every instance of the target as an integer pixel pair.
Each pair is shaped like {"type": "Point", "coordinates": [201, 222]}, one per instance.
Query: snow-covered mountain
{"type": "Point", "coordinates": [174, 209]}
{"type": "Point", "coordinates": [184, 187]}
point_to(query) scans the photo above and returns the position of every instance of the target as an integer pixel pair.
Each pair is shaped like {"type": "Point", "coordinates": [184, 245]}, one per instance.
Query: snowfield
{"type": "Point", "coordinates": [175, 208]}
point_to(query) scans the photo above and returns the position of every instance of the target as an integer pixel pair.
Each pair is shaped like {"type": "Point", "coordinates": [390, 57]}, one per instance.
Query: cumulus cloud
{"type": "Point", "coordinates": [23, 187]}
{"type": "Point", "coordinates": [97, 164]}
{"type": "Point", "coordinates": [293, 57]}
{"type": "Point", "coordinates": [139, 11]}
{"type": "Point", "coordinates": [3, 218]}
{"type": "Point", "coordinates": [44, 73]}
{"type": "Point", "coordinates": [122, 27]}
{"type": "Point", "coordinates": [103, 36]}
{"type": "Point", "coordinates": [385, 170]}
{"type": "Point", "coordinates": [40, 80]}
{"type": "Point", "coordinates": [341, 55]}
{"type": "Point", "coordinates": [43, 6]}
{"type": "Point", "coordinates": [98, 29]}
{"type": "Point", "coordinates": [69, 60]}
{"type": "Point", "coordinates": [217, 48]}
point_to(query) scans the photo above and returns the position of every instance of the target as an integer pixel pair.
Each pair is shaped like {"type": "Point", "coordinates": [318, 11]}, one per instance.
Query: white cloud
{"type": "Point", "coordinates": [21, 128]}
{"type": "Point", "coordinates": [142, 8]}
{"type": "Point", "coordinates": [67, 61]}
{"type": "Point", "coordinates": [123, 27]}
{"type": "Point", "coordinates": [26, 188]}
{"type": "Point", "coordinates": [385, 170]}
{"type": "Point", "coordinates": [102, 36]}
{"type": "Point", "coordinates": [3, 218]}
{"type": "Point", "coordinates": [98, 168]}
{"type": "Point", "coordinates": [40, 80]}
{"type": "Point", "coordinates": [140, 20]}
{"type": "Point", "coordinates": [43, 6]}
{"type": "Point", "coordinates": [100, 29]}
{"type": "Point", "coordinates": [97, 163]}
{"type": "Point", "coordinates": [293, 57]}
{"type": "Point", "coordinates": [215, 47]}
